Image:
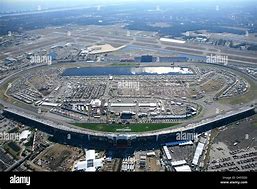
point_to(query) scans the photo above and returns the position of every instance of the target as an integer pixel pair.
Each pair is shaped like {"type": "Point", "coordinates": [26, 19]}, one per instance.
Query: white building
{"type": "Point", "coordinates": [95, 103]}
{"type": "Point", "coordinates": [24, 135]}
{"type": "Point", "coordinates": [90, 164]}
{"type": "Point", "coordinates": [198, 153]}
{"type": "Point", "coordinates": [172, 40]}
{"type": "Point", "coordinates": [183, 168]}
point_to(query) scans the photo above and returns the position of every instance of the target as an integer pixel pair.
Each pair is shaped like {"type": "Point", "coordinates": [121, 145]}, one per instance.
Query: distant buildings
{"type": "Point", "coordinates": [127, 115]}
{"type": "Point", "coordinates": [146, 58]}
{"type": "Point", "coordinates": [172, 40]}
{"type": "Point", "coordinates": [183, 168]}
{"type": "Point", "coordinates": [198, 153]}
{"type": "Point", "coordinates": [95, 103]}
{"type": "Point", "coordinates": [9, 61]}
{"type": "Point", "coordinates": [53, 55]}
{"type": "Point", "coordinates": [150, 58]}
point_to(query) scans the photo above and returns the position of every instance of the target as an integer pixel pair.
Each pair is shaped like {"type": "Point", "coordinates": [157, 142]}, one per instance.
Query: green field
{"type": "Point", "coordinates": [126, 64]}
{"type": "Point", "coordinates": [10, 99]}
{"type": "Point", "coordinates": [134, 127]}
{"type": "Point", "coordinates": [4, 87]}
{"type": "Point", "coordinates": [245, 98]}
{"type": "Point", "coordinates": [1, 106]}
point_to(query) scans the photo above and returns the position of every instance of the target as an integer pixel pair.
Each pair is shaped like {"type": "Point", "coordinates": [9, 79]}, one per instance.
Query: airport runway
{"type": "Point", "coordinates": [99, 35]}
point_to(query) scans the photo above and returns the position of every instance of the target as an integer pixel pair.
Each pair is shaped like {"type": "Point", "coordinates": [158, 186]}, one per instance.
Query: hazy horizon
{"type": "Point", "coordinates": [33, 5]}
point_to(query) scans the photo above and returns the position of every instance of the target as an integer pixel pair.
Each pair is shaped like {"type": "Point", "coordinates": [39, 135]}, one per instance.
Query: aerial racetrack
{"type": "Point", "coordinates": [113, 98]}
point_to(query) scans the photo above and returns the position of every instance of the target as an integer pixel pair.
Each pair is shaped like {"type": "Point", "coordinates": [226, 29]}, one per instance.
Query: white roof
{"type": "Point", "coordinates": [180, 162]}
{"type": "Point", "coordinates": [167, 152]}
{"type": "Point", "coordinates": [90, 164]}
{"type": "Point", "coordinates": [90, 169]}
{"type": "Point", "coordinates": [95, 49]}
{"type": "Point", "coordinates": [147, 104]}
{"type": "Point", "coordinates": [24, 134]}
{"type": "Point", "coordinates": [90, 154]}
{"type": "Point", "coordinates": [198, 152]}
{"type": "Point", "coordinates": [183, 168]}
{"type": "Point", "coordinates": [98, 162]}
{"type": "Point", "coordinates": [150, 153]}
{"type": "Point", "coordinates": [171, 40]}
{"type": "Point", "coordinates": [81, 165]}
{"type": "Point", "coordinates": [128, 112]}
{"type": "Point", "coordinates": [84, 51]}
{"type": "Point", "coordinates": [95, 102]}
{"type": "Point", "coordinates": [49, 104]}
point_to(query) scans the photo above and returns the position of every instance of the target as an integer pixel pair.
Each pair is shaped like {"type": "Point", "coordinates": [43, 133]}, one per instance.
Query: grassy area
{"type": "Point", "coordinates": [126, 64]}
{"type": "Point", "coordinates": [134, 127]}
{"type": "Point", "coordinates": [245, 98]}
{"type": "Point", "coordinates": [1, 106]}
{"type": "Point", "coordinates": [4, 87]}
{"type": "Point", "coordinates": [200, 112]}
{"type": "Point", "coordinates": [9, 98]}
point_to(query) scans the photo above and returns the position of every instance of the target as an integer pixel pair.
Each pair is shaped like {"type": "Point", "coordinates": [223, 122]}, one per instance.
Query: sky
{"type": "Point", "coordinates": [25, 5]}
